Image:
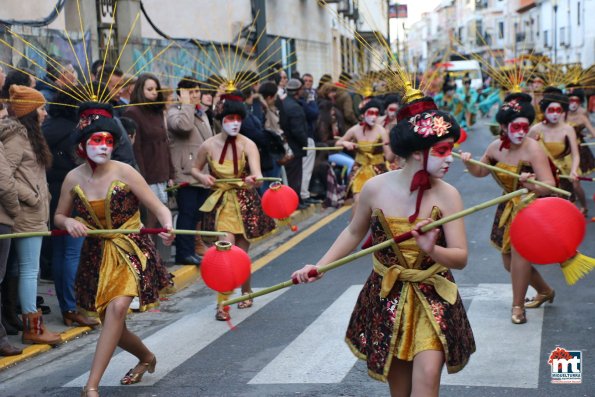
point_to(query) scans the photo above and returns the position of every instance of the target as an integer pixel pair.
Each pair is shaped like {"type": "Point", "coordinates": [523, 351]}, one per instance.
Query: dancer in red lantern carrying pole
{"type": "Point", "coordinates": [578, 118]}
{"type": "Point", "coordinates": [401, 325]}
{"type": "Point", "coordinates": [233, 207]}
{"type": "Point", "coordinates": [370, 141]}
{"type": "Point", "coordinates": [514, 152]}
{"type": "Point", "coordinates": [115, 268]}
{"type": "Point", "coordinates": [559, 142]}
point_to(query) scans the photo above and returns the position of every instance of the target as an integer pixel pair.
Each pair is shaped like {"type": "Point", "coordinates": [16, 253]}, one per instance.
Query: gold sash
{"type": "Point", "coordinates": [117, 247]}
{"type": "Point", "coordinates": [223, 190]}
{"type": "Point", "coordinates": [444, 287]}
{"type": "Point", "coordinates": [365, 158]}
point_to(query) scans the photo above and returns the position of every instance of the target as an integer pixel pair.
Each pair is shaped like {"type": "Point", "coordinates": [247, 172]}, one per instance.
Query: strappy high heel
{"type": "Point", "coordinates": [518, 318]}
{"type": "Point", "coordinates": [540, 299]}
{"type": "Point", "coordinates": [86, 390]}
{"type": "Point", "coordinates": [133, 377]}
{"type": "Point", "coordinates": [245, 304]}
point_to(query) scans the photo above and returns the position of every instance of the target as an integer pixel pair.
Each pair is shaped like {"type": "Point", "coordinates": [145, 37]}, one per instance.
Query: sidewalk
{"type": "Point", "coordinates": [184, 276]}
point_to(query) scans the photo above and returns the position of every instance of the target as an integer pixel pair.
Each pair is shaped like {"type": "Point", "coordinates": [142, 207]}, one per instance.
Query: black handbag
{"type": "Point", "coordinates": [275, 143]}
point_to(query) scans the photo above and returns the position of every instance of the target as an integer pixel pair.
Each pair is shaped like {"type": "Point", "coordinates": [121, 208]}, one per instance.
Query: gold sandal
{"type": "Point", "coordinates": [86, 390]}
{"type": "Point", "coordinates": [518, 318]}
{"type": "Point", "coordinates": [540, 299]}
{"type": "Point", "coordinates": [132, 377]}
{"type": "Point", "coordinates": [222, 314]}
{"type": "Point", "coordinates": [247, 303]}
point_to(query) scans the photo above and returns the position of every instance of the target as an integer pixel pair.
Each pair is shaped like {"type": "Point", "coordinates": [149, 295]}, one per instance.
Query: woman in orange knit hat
{"type": "Point", "coordinates": [28, 154]}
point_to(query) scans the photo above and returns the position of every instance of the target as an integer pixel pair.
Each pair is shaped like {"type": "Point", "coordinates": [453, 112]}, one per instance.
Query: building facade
{"type": "Point", "coordinates": [302, 35]}
{"type": "Point", "coordinates": [501, 31]}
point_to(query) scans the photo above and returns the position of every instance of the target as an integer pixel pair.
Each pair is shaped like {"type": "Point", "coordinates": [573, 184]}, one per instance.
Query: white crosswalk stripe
{"type": "Point", "coordinates": [185, 338]}
{"type": "Point", "coordinates": [319, 354]}
{"type": "Point", "coordinates": [507, 355]}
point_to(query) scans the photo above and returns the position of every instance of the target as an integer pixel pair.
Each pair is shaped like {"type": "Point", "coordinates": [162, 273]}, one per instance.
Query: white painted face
{"type": "Point", "coordinates": [554, 112]}
{"type": "Point", "coordinates": [370, 116]}
{"type": "Point", "coordinates": [517, 130]}
{"type": "Point", "coordinates": [100, 147]}
{"type": "Point", "coordinates": [439, 158]}
{"type": "Point", "coordinates": [391, 111]}
{"type": "Point", "coordinates": [573, 106]}
{"type": "Point", "coordinates": [232, 124]}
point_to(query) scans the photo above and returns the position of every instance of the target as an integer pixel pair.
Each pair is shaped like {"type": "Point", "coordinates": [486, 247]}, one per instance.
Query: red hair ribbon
{"type": "Point", "coordinates": [504, 142]}
{"type": "Point", "coordinates": [421, 181]}
{"type": "Point", "coordinates": [415, 108]}
{"type": "Point", "coordinates": [230, 141]}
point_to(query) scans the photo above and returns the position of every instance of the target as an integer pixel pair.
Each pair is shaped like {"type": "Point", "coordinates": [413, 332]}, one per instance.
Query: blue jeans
{"type": "Point", "coordinates": [189, 200]}
{"type": "Point", "coordinates": [27, 252]}
{"type": "Point", "coordinates": [274, 172]}
{"type": "Point", "coordinates": [66, 252]}
{"type": "Point", "coordinates": [342, 160]}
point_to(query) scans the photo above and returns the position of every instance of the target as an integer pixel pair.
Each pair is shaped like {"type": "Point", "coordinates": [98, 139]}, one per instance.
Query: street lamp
{"type": "Point", "coordinates": [555, 6]}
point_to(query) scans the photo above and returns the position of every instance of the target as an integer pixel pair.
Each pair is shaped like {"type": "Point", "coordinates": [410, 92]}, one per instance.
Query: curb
{"type": "Point", "coordinates": [184, 275]}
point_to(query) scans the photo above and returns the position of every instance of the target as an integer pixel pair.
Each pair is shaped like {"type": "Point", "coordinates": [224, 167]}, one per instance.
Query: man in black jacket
{"type": "Point", "coordinates": [295, 126]}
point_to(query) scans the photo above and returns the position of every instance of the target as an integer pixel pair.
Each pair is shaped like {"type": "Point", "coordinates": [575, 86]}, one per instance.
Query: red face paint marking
{"type": "Point", "coordinates": [442, 149]}
{"type": "Point", "coordinates": [372, 112]}
{"type": "Point", "coordinates": [100, 139]}
{"type": "Point", "coordinates": [554, 109]}
{"type": "Point", "coordinates": [230, 118]}
{"type": "Point", "coordinates": [515, 128]}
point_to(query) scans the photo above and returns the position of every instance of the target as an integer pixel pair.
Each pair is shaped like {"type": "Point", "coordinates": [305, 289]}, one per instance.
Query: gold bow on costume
{"type": "Point", "coordinates": [444, 287]}
{"type": "Point", "coordinates": [117, 249]}
{"type": "Point", "coordinates": [222, 190]}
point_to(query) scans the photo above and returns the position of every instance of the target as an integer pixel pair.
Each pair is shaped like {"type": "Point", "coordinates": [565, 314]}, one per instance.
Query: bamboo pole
{"type": "Point", "coordinates": [382, 245]}
{"type": "Point", "coordinates": [580, 178]}
{"type": "Point", "coordinates": [60, 232]}
{"type": "Point", "coordinates": [227, 180]}
{"type": "Point", "coordinates": [507, 172]}
{"type": "Point", "coordinates": [341, 147]}
{"type": "Point", "coordinates": [588, 144]}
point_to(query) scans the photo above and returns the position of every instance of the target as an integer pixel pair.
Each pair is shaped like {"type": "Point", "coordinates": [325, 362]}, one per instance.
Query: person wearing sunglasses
{"type": "Point", "coordinates": [559, 142]}
{"type": "Point", "coordinates": [369, 140]}
{"type": "Point", "coordinates": [513, 152]}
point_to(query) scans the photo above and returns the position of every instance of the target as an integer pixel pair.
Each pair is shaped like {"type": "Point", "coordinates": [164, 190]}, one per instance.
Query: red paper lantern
{"type": "Point", "coordinates": [225, 267]}
{"type": "Point", "coordinates": [549, 230]}
{"type": "Point", "coordinates": [279, 201]}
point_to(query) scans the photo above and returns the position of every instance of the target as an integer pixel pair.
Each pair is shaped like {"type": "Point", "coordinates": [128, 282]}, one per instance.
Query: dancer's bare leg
{"type": "Point", "coordinates": [111, 332]}
{"type": "Point", "coordinates": [244, 244]}
{"type": "Point", "coordinates": [399, 378]}
{"type": "Point", "coordinates": [535, 280]}
{"type": "Point", "coordinates": [427, 368]}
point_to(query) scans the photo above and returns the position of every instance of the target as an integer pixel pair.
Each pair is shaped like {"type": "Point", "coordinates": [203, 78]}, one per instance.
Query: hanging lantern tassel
{"type": "Point", "coordinates": [279, 202]}
{"type": "Point", "coordinates": [577, 267]}
{"type": "Point", "coordinates": [549, 230]}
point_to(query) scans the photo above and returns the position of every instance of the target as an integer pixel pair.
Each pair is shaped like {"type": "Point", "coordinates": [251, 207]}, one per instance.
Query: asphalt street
{"type": "Point", "coordinates": [291, 342]}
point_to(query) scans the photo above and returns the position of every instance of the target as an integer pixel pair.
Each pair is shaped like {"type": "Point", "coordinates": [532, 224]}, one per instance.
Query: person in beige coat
{"type": "Point", "coordinates": [28, 156]}
{"type": "Point", "coordinates": [9, 209]}
{"type": "Point", "coordinates": [188, 127]}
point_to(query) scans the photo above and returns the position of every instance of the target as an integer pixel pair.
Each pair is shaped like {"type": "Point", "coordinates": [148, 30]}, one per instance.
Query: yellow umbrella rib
{"type": "Point", "coordinates": [37, 102]}
{"type": "Point", "coordinates": [144, 66]}
{"type": "Point", "coordinates": [87, 91]}
{"type": "Point", "coordinates": [122, 50]}
{"type": "Point", "coordinates": [39, 52]}
{"type": "Point", "coordinates": [236, 61]}
{"type": "Point", "coordinates": [78, 7]}
{"type": "Point", "coordinates": [73, 95]}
